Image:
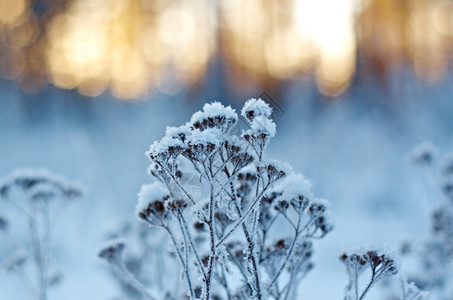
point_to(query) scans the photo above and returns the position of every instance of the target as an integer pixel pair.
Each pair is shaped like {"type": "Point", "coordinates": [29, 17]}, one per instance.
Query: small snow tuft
{"type": "Point", "coordinates": [296, 185]}
{"type": "Point", "coordinates": [150, 193]}
{"type": "Point", "coordinates": [256, 107]}
{"type": "Point", "coordinates": [261, 124]}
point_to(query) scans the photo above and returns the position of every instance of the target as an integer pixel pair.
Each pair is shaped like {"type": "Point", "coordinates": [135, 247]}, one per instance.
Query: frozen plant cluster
{"type": "Point", "coordinates": [141, 264]}
{"type": "Point", "coordinates": [250, 233]}
{"type": "Point", "coordinates": [435, 255]}
{"type": "Point", "coordinates": [380, 264]}
{"type": "Point", "coordinates": [34, 200]}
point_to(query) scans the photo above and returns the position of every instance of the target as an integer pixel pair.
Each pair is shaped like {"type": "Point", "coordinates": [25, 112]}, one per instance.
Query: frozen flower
{"type": "Point", "coordinates": [179, 133]}
{"type": "Point", "coordinates": [3, 223]}
{"type": "Point", "coordinates": [256, 107]}
{"type": "Point", "coordinates": [112, 250]}
{"type": "Point", "coordinates": [272, 170]}
{"type": "Point", "coordinates": [164, 149]}
{"type": "Point", "coordinates": [151, 203]}
{"type": "Point", "coordinates": [42, 192]}
{"type": "Point", "coordinates": [16, 261]}
{"type": "Point", "coordinates": [423, 154]}
{"type": "Point", "coordinates": [263, 126]}
{"type": "Point", "coordinates": [202, 143]}
{"type": "Point", "coordinates": [214, 115]}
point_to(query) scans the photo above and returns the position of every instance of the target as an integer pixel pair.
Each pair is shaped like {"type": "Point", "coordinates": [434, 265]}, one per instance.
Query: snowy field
{"type": "Point", "coordinates": [353, 151]}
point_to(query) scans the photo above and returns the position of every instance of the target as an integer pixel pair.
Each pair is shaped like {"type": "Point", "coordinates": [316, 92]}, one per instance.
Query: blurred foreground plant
{"type": "Point", "coordinates": [435, 255]}
{"type": "Point", "coordinates": [36, 197]}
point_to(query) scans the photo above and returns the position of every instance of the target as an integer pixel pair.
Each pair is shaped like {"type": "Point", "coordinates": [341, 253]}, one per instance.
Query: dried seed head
{"type": "Point", "coordinates": [165, 149]}
{"type": "Point", "coordinates": [281, 206]}
{"type": "Point", "coordinates": [151, 199]}
{"type": "Point", "coordinates": [3, 223]}
{"type": "Point", "coordinates": [4, 189]}
{"type": "Point", "coordinates": [15, 261]}
{"type": "Point", "coordinates": [424, 154]}
{"type": "Point", "coordinates": [199, 226]}
{"type": "Point", "coordinates": [214, 115]}
{"type": "Point", "coordinates": [176, 205]}
{"type": "Point", "coordinates": [256, 107]}
{"type": "Point", "coordinates": [113, 250]}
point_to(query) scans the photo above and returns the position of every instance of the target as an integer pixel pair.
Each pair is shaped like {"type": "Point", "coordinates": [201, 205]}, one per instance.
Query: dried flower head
{"type": "Point", "coordinates": [112, 250]}
{"type": "Point", "coordinates": [3, 223]}
{"type": "Point", "coordinates": [214, 115]}
{"type": "Point", "coordinates": [165, 149]}
{"type": "Point", "coordinates": [256, 107]}
{"type": "Point", "coordinates": [16, 261]}
{"type": "Point", "coordinates": [424, 154]}
{"type": "Point", "coordinates": [151, 203]}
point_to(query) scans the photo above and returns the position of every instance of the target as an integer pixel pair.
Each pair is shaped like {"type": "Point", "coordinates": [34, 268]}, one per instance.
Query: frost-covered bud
{"type": "Point", "coordinates": [232, 146]}
{"type": "Point", "coordinates": [323, 225]}
{"type": "Point", "coordinates": [447, 186]}
{"type": "Point", "coordinates": [353, 261]}
{"type": "Point", "coordinates": [165, 149]}
{"type": "Point", "coordinates": [281, 206]}
{"type": "Point", "coordinates": [3, 223]}
{"type": "Point", "coordinates": [442, 220]}
{"type": "Point", "coordinates": [26, 182]}
{"type": "Point", "coordinates": [412, 292]}
{"type": "Point", "coordinates": [204, 142]}
{"type": "Point", "coordinates": [222, 218]}
{"type": "Point", "coordinates": [447, 165]}
{"type": "Point", "coordinates": [241, 160]}
{"type": "Point", "coordinates": [297, 190]}
{"type": "Point", "coordinates": [175, 205]}
{"type": "Point", "coordinates": [42, 192]}
{"type": "Point", "coordinates": [55, 278]}
{"type": "Point", "coordinates": [112, 250]}
{"type": "Point", "coordinates": [4, 189]}
{"type": "Point", "coordinates": [424, 154]}
{"type": "Point", "coordinates": [382, 264]}
{"type": "Point", "coordinates": [263, 127]}
{"type": "Point", "coordinates": [178, 133]}
{"type": "Point", "coordinates": [16, 261]}
{"type": "Point", "coordinates": [272, 170]}
{"type": "Point", "coordinates": [246, 177]}
{"type": "Point", "coordinates": [318, 207]}
{"type": "Point", "coordinates": [256, 107]}
{"type": "Point", "coordinates": [151, 203]}
{"type": "Point", "coordinates": [72, 192]}
{"type": "Point", "coordinates": [247, 174]}
{"type": "Point", "coordinates": [214, 115]}
{"type": "Point", "coordinates": [199, 226]}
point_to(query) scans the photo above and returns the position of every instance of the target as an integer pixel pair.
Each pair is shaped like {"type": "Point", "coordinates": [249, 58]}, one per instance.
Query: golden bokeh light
{"type": "Point", "coordinates": [127, 46]}
{"type": "Point", "coordinates": [135, 47]}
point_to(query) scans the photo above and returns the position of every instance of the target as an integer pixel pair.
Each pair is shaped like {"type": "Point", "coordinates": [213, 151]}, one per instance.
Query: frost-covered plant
{"type": "Point", "coordinates": [138, 266]}
{"type": "Point", "coordinates": [36, 197]}
{"type": "Point", "coordinates": [245, 228]}
{"type": "Point", "coordinates": [381, 266]}
{"type": "Point", "coordinates": [436, 254]}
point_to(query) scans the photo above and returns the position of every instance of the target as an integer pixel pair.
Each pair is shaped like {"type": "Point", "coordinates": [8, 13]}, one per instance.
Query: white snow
{"type": "Point", "coordinates": [176, 132]}
{"type": "Point", "coordinates": [212, 110]}
{"type": "Point", "coordinates": [162, 146]}
{"type": "Point", "coordinates": [209, 136]}
{"type": "Point", "coordinates": [261, 124]}
{"type": "Point", "coordinates": [295, 185]}
{"type": "Point", "coordinates": [149, 193]}
{"type": "Point", "coordinates": [259, 108]}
